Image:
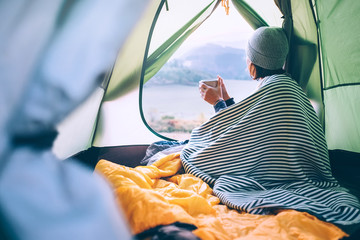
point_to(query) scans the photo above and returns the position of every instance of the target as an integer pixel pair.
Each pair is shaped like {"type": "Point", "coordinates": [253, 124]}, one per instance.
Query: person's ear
{"type": "Point", "coordinates": [252, 70]}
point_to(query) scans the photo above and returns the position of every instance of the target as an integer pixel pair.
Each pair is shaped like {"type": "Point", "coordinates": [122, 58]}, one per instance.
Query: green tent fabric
{"type": "Point", "coordinates": [339, 30]}
{"type": "Point", "coordinates": [128, 66]}
{"type": "Point", "coordinates": [304, 58]}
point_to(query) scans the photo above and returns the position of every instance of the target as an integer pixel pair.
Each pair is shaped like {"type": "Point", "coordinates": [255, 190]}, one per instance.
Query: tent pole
{"type": "Point", "coordinates": [312, 5]}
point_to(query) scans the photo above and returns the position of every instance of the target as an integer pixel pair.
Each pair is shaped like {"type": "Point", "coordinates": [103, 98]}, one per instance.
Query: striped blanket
{"type": "Point", "coordinates": [268, 152]}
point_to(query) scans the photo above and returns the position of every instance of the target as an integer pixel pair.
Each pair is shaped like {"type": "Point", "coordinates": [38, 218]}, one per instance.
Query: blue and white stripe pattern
{"type": "Point", "coordinates": [269, 152]}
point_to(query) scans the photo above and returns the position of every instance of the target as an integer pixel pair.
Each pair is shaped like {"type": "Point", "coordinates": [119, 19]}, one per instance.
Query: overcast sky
{"type": "Point", "coordinates": [227, 30]}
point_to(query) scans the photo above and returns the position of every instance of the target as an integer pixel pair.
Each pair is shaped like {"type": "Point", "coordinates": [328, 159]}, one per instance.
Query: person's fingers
{"type": "Point", "coordinates": [203, 86]}
{"type": "Point", "coordinates": [221, 81]}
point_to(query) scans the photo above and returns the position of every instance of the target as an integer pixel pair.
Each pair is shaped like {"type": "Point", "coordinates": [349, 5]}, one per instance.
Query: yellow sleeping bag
{"type": "Point", "coordinates": [156, 195]}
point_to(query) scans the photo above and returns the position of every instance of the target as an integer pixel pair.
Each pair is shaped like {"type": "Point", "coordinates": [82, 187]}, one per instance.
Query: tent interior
{"type": "Point", "coordinates": [116, 118]}
{"type": "Point", "coordinates": [150, 92]}
{"type": "Point", "coordinates": [119, 129]}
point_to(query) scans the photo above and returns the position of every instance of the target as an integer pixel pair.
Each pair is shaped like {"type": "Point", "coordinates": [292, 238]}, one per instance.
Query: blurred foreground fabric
{"type": "Point", "coordinates": [53, 56]}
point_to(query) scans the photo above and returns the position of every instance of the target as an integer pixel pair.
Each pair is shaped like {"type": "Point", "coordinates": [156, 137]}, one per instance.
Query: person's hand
{"type": "Point", "coordinates": [224, 92]}
{"type": "Point", "coordinates": [210, 94]}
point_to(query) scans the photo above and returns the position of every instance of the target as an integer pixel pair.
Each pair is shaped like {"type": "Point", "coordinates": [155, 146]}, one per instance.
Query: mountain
{"type": "Point", "coordinates": [174, 72]}
{"type": "Point", "coordinates": [205, 62]}
{"type": "Point", "coordinates": [214, 59]}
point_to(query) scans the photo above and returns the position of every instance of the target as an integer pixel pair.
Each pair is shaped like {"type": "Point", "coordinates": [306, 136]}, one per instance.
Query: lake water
{"type": "Point", "coordinates": [185, 101]}
{"type": "Point", "coordinates": [184, 104]}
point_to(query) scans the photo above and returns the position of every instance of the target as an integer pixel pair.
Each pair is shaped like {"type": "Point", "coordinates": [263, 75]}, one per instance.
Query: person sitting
{"type": "Point", "coordinates": [268, 152]}
{"type": "Point", "coordinates": [259, 66]}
